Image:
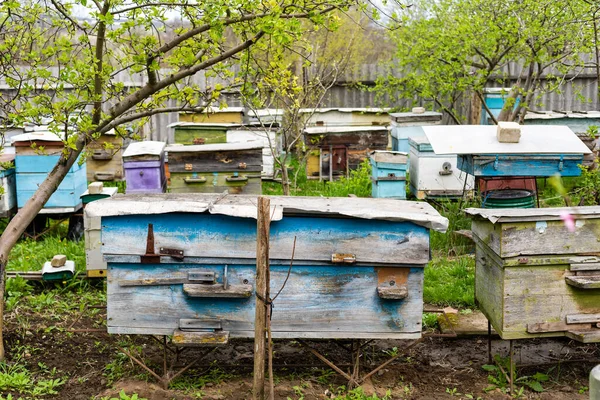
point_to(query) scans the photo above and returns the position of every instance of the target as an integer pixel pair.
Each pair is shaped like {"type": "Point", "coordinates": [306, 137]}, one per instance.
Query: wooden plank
{"type": "Point", "coordinates": [489, 287]}
{"type": "Point", "coordinates": [592, 266]}
{"type": "Point", "coordinates": [583, 318]}
{"type": "Point", "coordinates": [152, 281]}
{"type": "Point", "coordinates": [544, 327]}
{"type": "Point", "coordinates": [585, 336]}
{"type": "Point", "coordinates": [396, 292]}
{"type": "Point", "coordinates": [217, 290]}
{"type": "Point", "coordinates": [584, 282]}
{"type": "Point", "coordinates": [200, 339]}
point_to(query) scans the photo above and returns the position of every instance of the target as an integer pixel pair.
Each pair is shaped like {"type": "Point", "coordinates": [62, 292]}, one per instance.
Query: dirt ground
{"type": "Point", "coordinates": [436, 368]}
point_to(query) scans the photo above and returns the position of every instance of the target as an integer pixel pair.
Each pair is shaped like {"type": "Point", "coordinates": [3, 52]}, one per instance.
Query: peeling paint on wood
{"type": "Point", "coordinates": [380, 296]}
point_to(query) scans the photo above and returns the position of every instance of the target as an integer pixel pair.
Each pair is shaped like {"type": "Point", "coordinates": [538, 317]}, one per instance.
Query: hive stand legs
{"type": "Point", "coordinates": [489, 337]}
{"type": "Point", "coordinates": [354, 378]}
{"type": "Point", "coordinates": [168, 375]}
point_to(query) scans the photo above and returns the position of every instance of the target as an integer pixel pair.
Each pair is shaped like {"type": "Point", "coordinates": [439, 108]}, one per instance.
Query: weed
{"type": "Point", "coordinates": [16, 288]}
{"type": "Point", "coordinates": [325, 376]}
{"type": "Point", "coordinates": [453, 392]}
{"type": "Point", "coordinates": [115, 370]}
{"type": "Point", "coordinates": [125, 396]}
{"type": "Point", "coordinates": [359, 394]}
{"type": "Point", "coordinates": [430, 321]}
{"type": "Point", "coordinates": [198, 380]}
{"type": "Point", "coordinates": [393, 352]}
{"type": "Point", "coordinates": [497, 377]}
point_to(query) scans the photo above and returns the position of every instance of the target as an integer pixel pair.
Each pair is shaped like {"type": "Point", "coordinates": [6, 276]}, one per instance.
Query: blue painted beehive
{"type": "Point", "coordinates": [541, 151]}
{"type": "Point", "coordinates": [357, 267]}
{"type": "Point", "coordinates": [36, 154]}
{"type": "Point", "coordinates": [388, 174]}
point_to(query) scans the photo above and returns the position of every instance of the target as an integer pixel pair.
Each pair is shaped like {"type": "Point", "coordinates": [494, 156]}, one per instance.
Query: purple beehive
{"type": "Point", "coordinates": [144, 164]}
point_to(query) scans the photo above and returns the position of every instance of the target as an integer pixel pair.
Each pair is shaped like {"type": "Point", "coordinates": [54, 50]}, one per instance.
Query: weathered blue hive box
{"type": "Point", "coordinates": [388, 174]}
{"type": "Point", "coordinates": [533, 276]}
{"type": "Point", "coordinates": [409, 125]}
{"type": "Point", "coordinates": [357, 267]}
{"type": "Point", "coordinates": [541, 151]}
{"type": "Point", "coordinates": [33, 164]}
{"type": "Point", "coordinates": [8, 198]}
{"type": "Point", "coordinates": [144, 164]}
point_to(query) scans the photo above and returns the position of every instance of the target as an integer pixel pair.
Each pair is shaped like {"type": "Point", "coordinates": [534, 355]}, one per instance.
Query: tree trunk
{"type": "Point", "coordinates": [506, 113]}
{"type": "Point", "coordinates": [25, 215]}
{"type": "Point", "coordinates": [285, 180]}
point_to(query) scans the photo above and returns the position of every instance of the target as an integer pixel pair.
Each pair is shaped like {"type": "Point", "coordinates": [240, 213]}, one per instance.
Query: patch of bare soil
{"type": "Point", "coordinates": [437, 368]}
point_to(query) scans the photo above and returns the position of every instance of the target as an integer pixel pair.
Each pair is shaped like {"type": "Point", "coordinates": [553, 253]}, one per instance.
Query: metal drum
{"type": "Point", "coordinates": [508, 198]}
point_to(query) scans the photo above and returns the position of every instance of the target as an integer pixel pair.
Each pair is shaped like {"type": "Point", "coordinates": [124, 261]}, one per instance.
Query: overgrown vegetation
{"type": "Point", "coordinates": [358, 183]}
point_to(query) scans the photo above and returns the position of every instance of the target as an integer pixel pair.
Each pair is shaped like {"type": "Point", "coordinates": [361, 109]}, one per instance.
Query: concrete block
{"type": "Point", "coordinates": [508, 132]}
{"type": "Point", "coordinates": [58, 260]}
{"type": "Point", "coordinates": [418, 110]}
{"type": "Point", "coordinates": [95, 188]}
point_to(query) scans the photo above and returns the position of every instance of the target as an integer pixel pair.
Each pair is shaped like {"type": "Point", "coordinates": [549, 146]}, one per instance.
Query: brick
{"type": "Point", "coordinates": [508, 132]}
{"type": "Point", "coordinates": [95, 187]}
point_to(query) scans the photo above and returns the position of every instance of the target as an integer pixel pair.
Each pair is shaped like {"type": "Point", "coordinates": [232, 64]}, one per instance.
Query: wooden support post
{"type": "Point", "coordinates": [260, 318]}
{"type": "Point", "coordinates": [512, 368]}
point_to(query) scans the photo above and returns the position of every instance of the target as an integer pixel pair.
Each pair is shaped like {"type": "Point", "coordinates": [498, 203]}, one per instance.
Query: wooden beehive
{"type": "Point", "coordinates": [435, 175]}
{"type": "Point", "coordinates": [333, 151]}
{"type": "Point", "coordinates": [214, 168]}
{"type": "Point", "coordinates": [388, 174]}
{"type": "Point", "coordinates": [105, 159]}
{"type": "Point", "coordinates": [268, 138]}
{"type": "Point", "coordinates": [534, 277]}
{"type": "Point", "coordinates": [357, 270]}
{"type": "Point", "coordinates": [541, 151]}
{"type": "Point", "coordinates": [36, 154]}
{"type": "Point", "coordinates": [144, 164]}
{"type": "Point", "coordinates": [94, 264]}
{"type": "Point", "coordinates": [408, 125]}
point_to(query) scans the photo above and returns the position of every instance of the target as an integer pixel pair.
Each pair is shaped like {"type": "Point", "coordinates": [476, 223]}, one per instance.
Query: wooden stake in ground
{"type": "Point", "coordinates": [262, 264]}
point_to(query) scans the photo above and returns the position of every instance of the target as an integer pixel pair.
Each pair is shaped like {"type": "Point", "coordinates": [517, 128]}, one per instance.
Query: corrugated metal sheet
{"type": "Point", "coordinates": [579, 92]}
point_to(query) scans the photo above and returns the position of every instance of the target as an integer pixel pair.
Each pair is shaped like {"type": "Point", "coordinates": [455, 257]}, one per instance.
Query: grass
{"type": "Point", "coordinates": [30, 255]}
{"type": "Point", "coordinates": [358, 183]}
{"type": "Point", "coordinates": [450, 282]}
